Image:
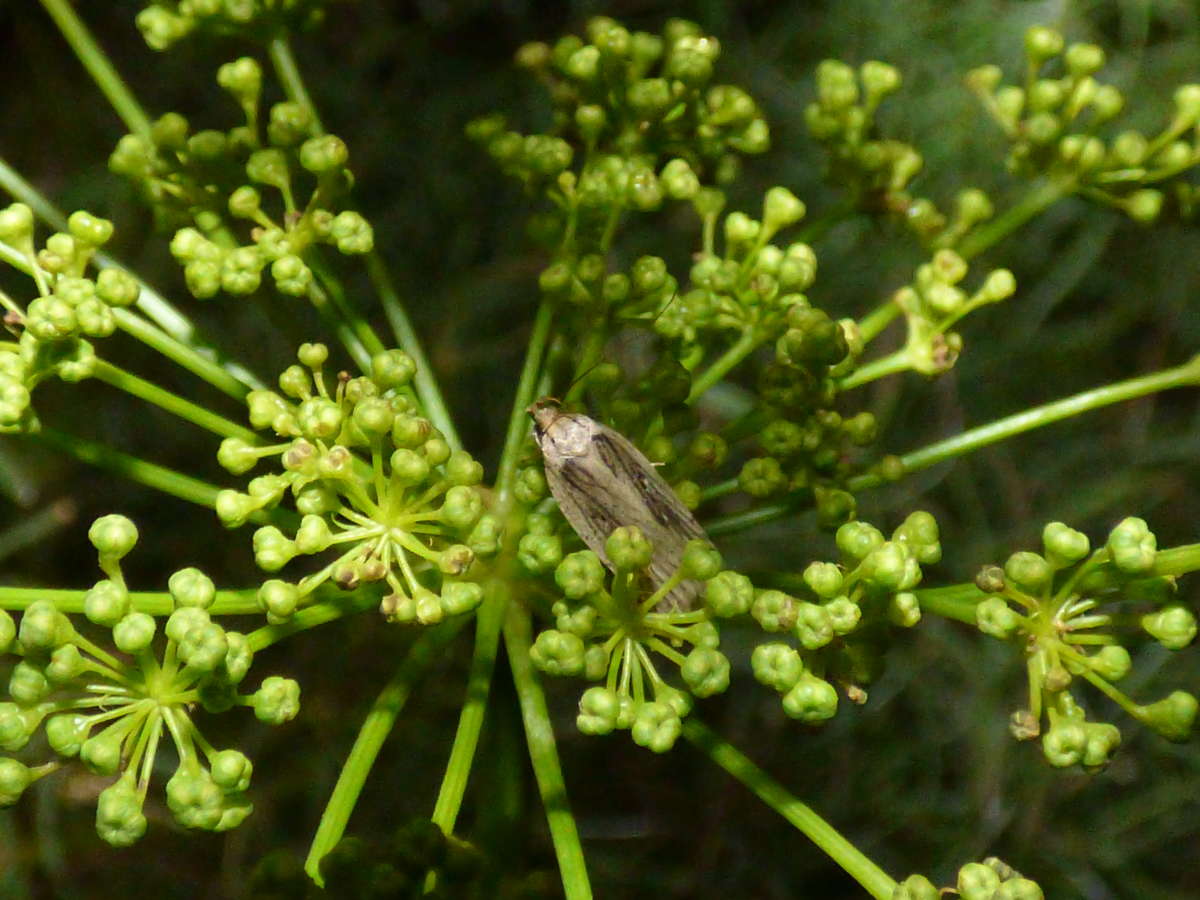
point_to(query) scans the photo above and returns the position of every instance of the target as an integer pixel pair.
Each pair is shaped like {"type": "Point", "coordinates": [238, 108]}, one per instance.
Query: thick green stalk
{"type": "Point", "coordinates": [98, 66]}
{"type": "Point", "coordinates": [424, 382]}
{"type": "Point", "coordinates": [543, 753]}
{"type": "Point", "coordinates": [873, 879]}
{"type": "Point", "coordinates": [190, 412]}
{"type": "Point", "coordinates": [1186, 375]}
{"type": "Point", "coordinates": [470, 719]}
{"type": "Point", "coordinates": [378, 724]}
{"type": "Point", "coordinates": [518, 422]}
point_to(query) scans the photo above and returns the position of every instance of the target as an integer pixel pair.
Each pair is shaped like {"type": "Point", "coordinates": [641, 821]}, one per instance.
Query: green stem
{"type": "Point", "coordinates": [190, 412]}
{"type": "Point", "coordinates": [230, 379]}
{"type": "Point", "coordinates": [873, 879]}
{"type": "Point", "coordinates": [956, 601]}
{"type": "Point", "coordinates": [518, 425]}
{"type": "Point", "coordinates": [875, 369]}
{"type": "Point", "coordinates": [470, 719]}
{"type": "Point", "coordinates": [288, 73]}
{"type": "Point", "coordinates": [424, 382]}
{"type": "Point", "coordinates": [1186, 375]}
{"type": "Point", "coordinates": [311, 616]}
{"type": "Point", "coordinates": [178, 338]}
{"type": "Point", "coordinates": [158, 477]}
{"type": "Point", "coordinates": [743, 347]}
{"type": "Point", "coordinates": [346, 334]}
{"type": "Point", "coordinates": [1040, 197]}
{"type": "Point", "coordinates": [98, 66]}
{"type": "Point", "coordinates": [539, 737]}
{"type": "Point", "coordinates": [1037, 200]}
{"type": "Point", "coordinates": [154, 603]}
{"type": "Point", "coordinates": [333, 288]}
{"type": "Point", "coordinates": [424, 652]}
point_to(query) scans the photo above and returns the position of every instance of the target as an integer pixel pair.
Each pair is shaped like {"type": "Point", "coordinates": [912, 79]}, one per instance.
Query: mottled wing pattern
{"type": "Point", "coordinates": [616, 485]}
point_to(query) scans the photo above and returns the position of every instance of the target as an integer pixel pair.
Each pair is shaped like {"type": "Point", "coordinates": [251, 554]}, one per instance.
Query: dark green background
{"type": "Point", "coordinates": [924, 777]}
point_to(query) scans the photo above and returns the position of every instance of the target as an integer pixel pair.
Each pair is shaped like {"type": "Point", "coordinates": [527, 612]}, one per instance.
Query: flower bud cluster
{"type": "Point", "coordinates": [935, 302]}
{"type": "Point", "coordinates": [609, 631]}
{"type": "Point", "coordinates": [827, 622]}
{"type": "Point", "coordinates": [630, 97]}
{"type": "Point", "coordinates": [1054, 124]}
{"type": "Point", "coordinates": [992, 879]}
{"type": "Point", "coordinates": [1065, 608]}
{"type": "Point", "coordinates": [112, 709]}
{"type": "Point", "coordinates": [373, 480]}
{"type": "Point", "coordinates": [209, 181]}
{"type": "Point", "coordinates": [874, 169]}
{"type": "Point", "coordinates": [165, 22]}
{"type": "Point", "coordinates": [70, 307]}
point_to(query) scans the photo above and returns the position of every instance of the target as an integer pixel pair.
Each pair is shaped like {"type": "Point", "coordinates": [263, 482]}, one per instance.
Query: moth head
{"type": "Point", "coordinates": [544, 412]}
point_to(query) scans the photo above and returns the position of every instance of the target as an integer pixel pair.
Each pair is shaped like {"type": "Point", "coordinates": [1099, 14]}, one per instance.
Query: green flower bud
{"type": "Point", "coordinates": [233, 509]}
{"type": "Point", "coordinates": [183, 620]}
{"type": "Point", "coordinates": [1083, 59]}
{"type": "Point", "coordinates": [1174, 627]}
{"type": "Point", "coordinates": [101, 753]}
{"type": "Point", "coordinates": [461, 468]}
{"type": "Point", "coordinates": [289, 124]}
{"type": "Point", "coordinates": [28, 684]}
{"type": "Point", "coordinates": [857, 539]}
{"type": "Point", "coordinates": [705, 671]}
{"type": "Point", "coordinates": [1107, 103]}
{"type": "Point", "coordinates": [117, 288]}
{"type": "Point", "coordinates": [994, 616]}
{"type": "Point", "coordinates": [243, 78]}
{"type": "Point", "coordinates": [324, 154]}
{"type": "Point", "coordinates": [558, 653]}
{"type": "Point", "coordinates": [728, 594]}
{"type": "Point", "coordinates": [291, 276]}
{"type": "Point", "coordinates": [1111, 662]}
{"type": "Point", "coordinates": [844, 615]}
{"type": "Point", "coordinates": [16, 224]}
{"type": "Point", "coordinates": [580, 574]}
{"type": "Point", "coordinates": [392, 369]}
{"type": "Point", "coordinates": [89, 229]}
{"type": "Point", "coordinates": [774, 610]}
{"type": "Point", "coordinates": [700, 560]}
{"type": "Point", "coordinates": [106, 603]}
{"type": "Point", "coordinates": [277, 700]}
{"type": "Point", "coordinates": [656, 726]}
{"type": "Point", "coordinates": [781, 208]}
{"type": "Point", "coordinates": [1029, 572]}
{"type": "Point", "coordinates": [278, 599]}
{"type": "Point", "coordinates": [977, 881]}
{"type": "Point", "coordinates": [740, 228]}
{"type": "Point", "coordinates": [455, 560]}
{"type": "Point", "coordinates": [15, 777]}
{"type": "Point", "coordinates": [273, 549]}
{"type": "Point", "coordinates": [460, 597]}
{"type": "Point", "coordinates": [599, 709]}
{"type": "Point", "coordinates": [351, 233]}
{"type": "Point", "coordinates": [65, 733]}
{"type": "Point", "coordinates": [539, 553]}
{"type": "Point", "coordinates": [66, 664]}
{"type": "Point", "coordinates": [1144, 206]}
{"type": "Point", "coordinates": [1041, 43]}
{"type": "Point", "coordinates": [904, 610]}
{"type": "Point", "coordinates": [813, 626]}
{"type": "Point", "coordinates": [134, 632]}
{"type": "Point", "coordinates": [890, 567]}
{"type": "Point", "coordinates": [811, 700]}
{"type": "Point", "coordinates": [761, 477]}
{"type": "Point", "coordinates": [920, 533]}
{"type": "Point", "coordinates": [231, 770]}
{"type": "Point", "coordinates": [95, 319]}
{"type": "Point", "coordinates": [51, 319]}
{"type": "Point", "coordinates": [119, 818]}
{"type": "Point", "coordinates": [43, 628]}
{"type": "Point", "coordinates": [628, 548]}
{"type": "Point", "coordinates": [207, 146]}
{"type": "Point", "coordinates": [203, 647]}
{"type": "Point", "coordinates": [916, 887]}
{"type": "Point", "coordinates": [679, 180]}
{"type": "Point", "coordinates": [1187, 103]}
{"type": "Point", "coordinates": [530, 486]}
{"type": "Point", "coordinates": [191, 587]}
{"type": "Point", "coordinates": [776, 665]}
{"type": "Point", "coordinates": [1063, 745]}
{"type": "Point", "coordinates": [1103, 740]}
{"type": "Point", "coordinates": [113, 535]}
{"type": "Point", "coordinates": [1132, 546]}
{"type": "Point", "coordinates": [8, 632]}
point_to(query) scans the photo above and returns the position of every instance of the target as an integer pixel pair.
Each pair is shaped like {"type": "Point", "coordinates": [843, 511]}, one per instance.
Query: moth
{"type": "Point", "coordinates": [602, 481]}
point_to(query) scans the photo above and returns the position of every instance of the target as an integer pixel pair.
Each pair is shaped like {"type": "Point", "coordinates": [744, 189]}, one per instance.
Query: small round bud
{"type": "Point", "coordinates": [599, 709]}
{"type": "Point", "coordinates": [1174, 627]}
{"type": "Point", "coordinates": [113, 535]}
{"type": "Point", "coordinates": [277, 700]}
{"type": "Point", "coordinates": [1172, 717]}
{"type": "Point", "coordinates": [134, 632]}
{"type": "Point", "coordinates": [656, 726]}
{"type": "Point", "coordinates": [977, 881]}
{"type": "Point", "coordinates": [558, 653]}
{"type": "Point", "coordinates": [1041, 43]}
{"type": "Point", "coordinates": [191, 587]}
{"type": "Point", "coordinates": [1082, 60]}
{"type": "Point", "coordinates": [628, 548]}
{"type": "Point", "coordinates": [811, 700]}
{"type": "Point", "coordinates": [1028, 571]}
{"type": "Point", "coordinates": [994, 616]}
{"type": "Point", "coordinates": [705, 671]}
